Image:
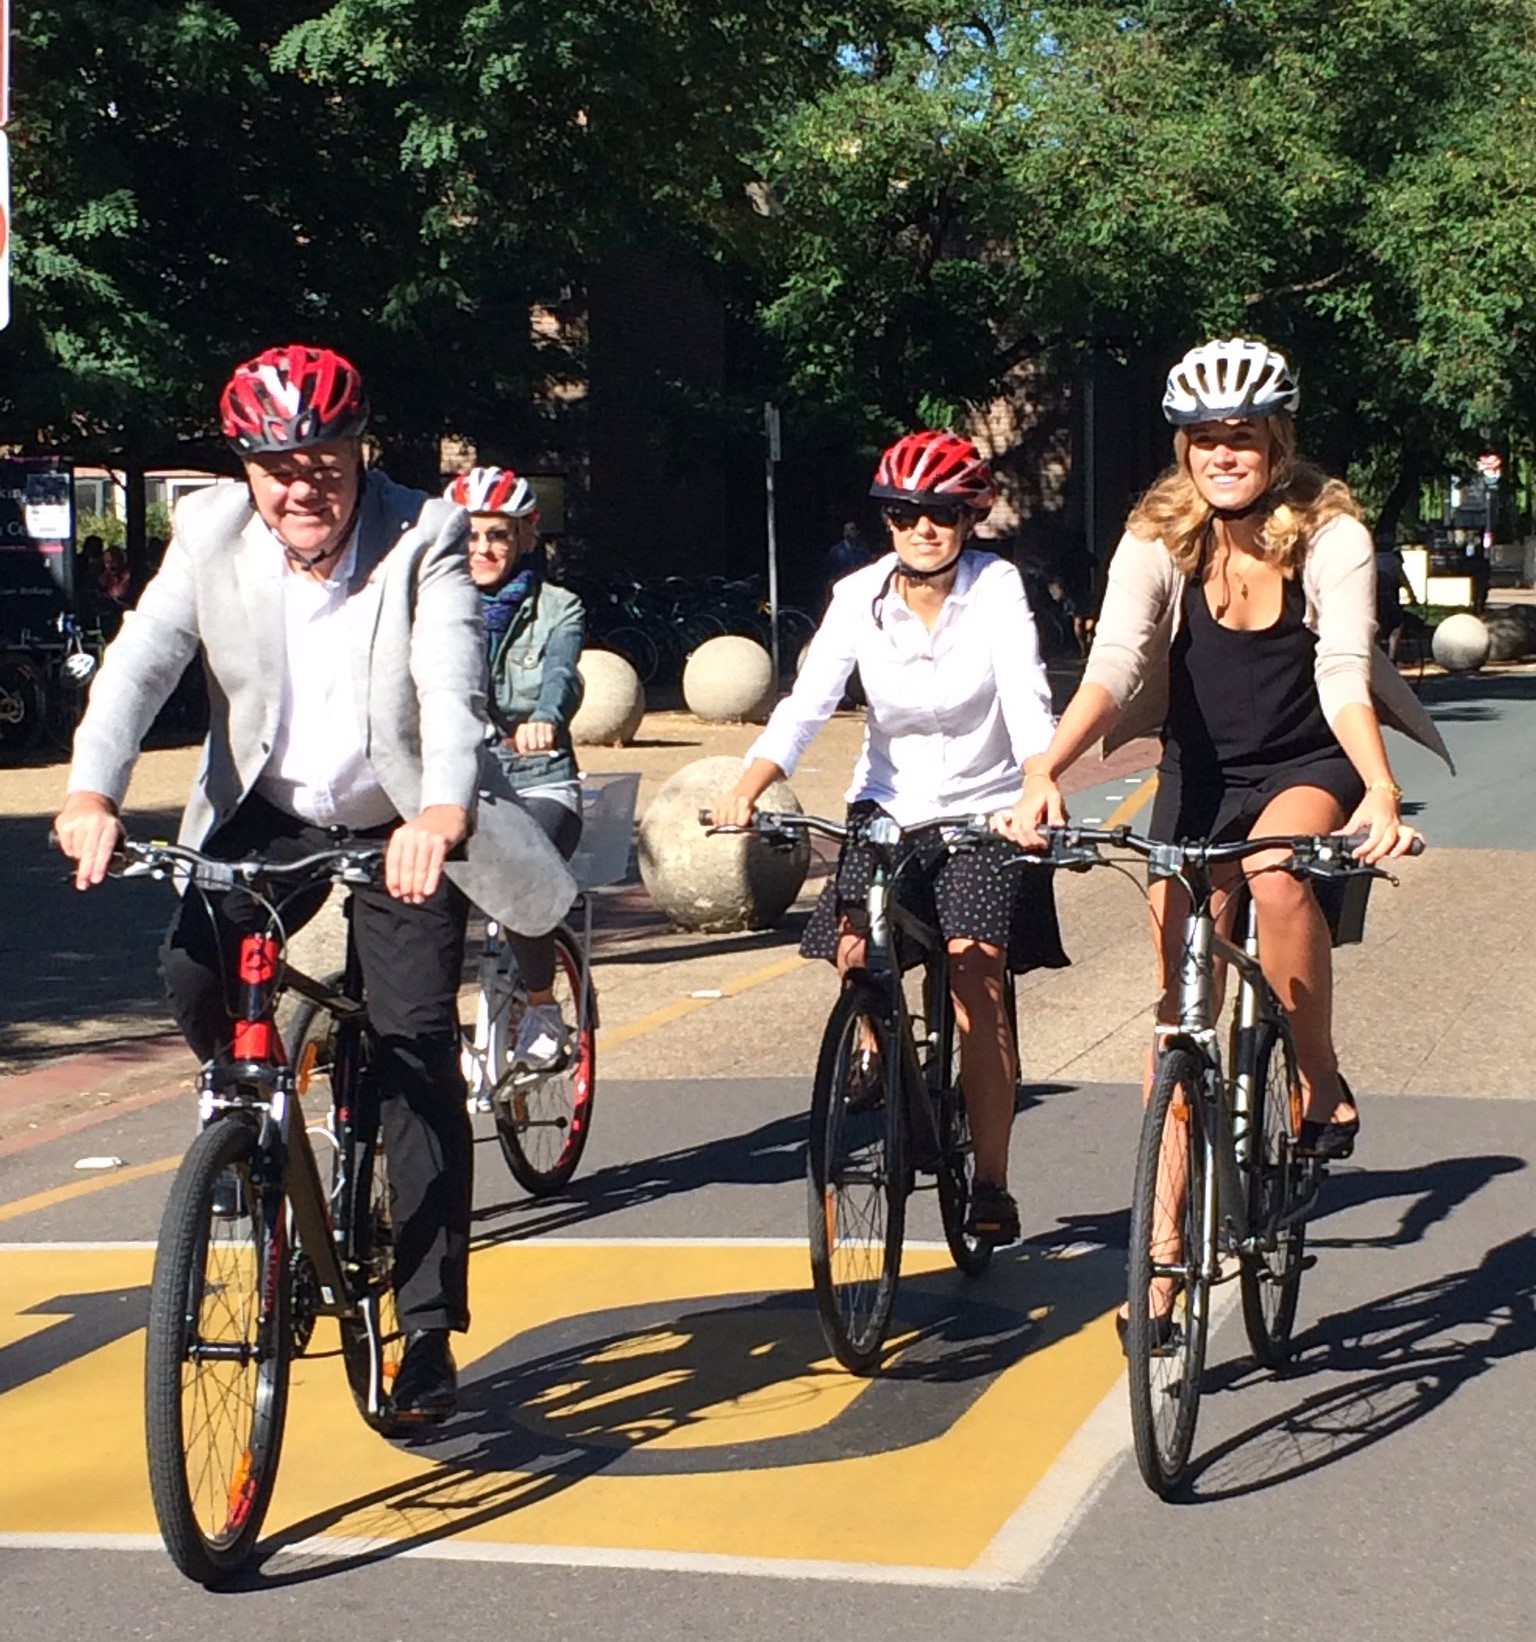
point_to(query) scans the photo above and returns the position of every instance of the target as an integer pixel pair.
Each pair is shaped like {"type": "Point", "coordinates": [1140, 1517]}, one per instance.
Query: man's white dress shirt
{"type": "Point", "coordinates": [953, 712]}
{"type": "Point", "coordinates": [319, 770]}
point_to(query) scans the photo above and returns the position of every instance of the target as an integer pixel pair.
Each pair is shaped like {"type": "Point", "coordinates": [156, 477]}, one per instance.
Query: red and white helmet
{"type": "Point", "coordinates": [494, 490]}
{"type": "Point", "coordinates": [291, 398]}
{"type": "Point", "coordinates": [934, 466]}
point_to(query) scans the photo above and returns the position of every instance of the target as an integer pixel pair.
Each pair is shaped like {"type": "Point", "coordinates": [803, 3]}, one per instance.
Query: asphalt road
{"type": "Point", "coordinates": [653, 1442]}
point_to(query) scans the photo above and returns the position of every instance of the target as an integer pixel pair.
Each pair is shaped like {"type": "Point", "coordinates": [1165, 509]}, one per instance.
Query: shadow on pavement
{"type": "Point", "coordinates": [1436, 1189]}
{"type": "Point", "coordinates": [1404, 1356]}
{"type": "Point", "coordinates": [770, 1155]}
{"type": "Point", "coordinates": [70, 958]}
{"type": "Point", "coordinates": [674, 1388]}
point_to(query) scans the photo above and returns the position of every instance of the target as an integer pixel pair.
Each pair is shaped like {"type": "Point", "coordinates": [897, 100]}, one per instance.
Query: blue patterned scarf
{"type": "Point", "coordinates": [501, 607]}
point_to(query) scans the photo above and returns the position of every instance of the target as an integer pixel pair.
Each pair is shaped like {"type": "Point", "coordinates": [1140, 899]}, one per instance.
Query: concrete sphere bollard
{"type": "Point", "coordinates": [729, 680]}
{"type": "Point", "coordinates": [727, 881]}
{"type": "Point", "coordinates": [612, 702]}
{"type": "Point", "coordinates": [1461, 643]}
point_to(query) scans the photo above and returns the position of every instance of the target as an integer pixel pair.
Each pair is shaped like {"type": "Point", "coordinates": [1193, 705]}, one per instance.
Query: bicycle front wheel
{"type": "Point", "coordinates": [857, 1181]}
{"type": "Point", "coordinates": [1169, 1291]}
{"type": "Point", "coordinates": [1270, 1278]}
{"type": "Point", "coordinates": [542, 1120]}
{"type": "Point", "coordinates": [216, 1363]}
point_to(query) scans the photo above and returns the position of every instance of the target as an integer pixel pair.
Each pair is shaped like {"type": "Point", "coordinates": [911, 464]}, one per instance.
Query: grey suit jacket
{"type": "Point", "coordinates": [420, 675]}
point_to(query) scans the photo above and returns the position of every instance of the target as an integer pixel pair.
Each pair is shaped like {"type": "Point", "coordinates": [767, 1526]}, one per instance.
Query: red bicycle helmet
{"type": "Point", "coordinates": [291, 398]}
{"type": "Point", "coordinates": [933, 466]}
{"type": "Point", "coordinates": [493, 490]}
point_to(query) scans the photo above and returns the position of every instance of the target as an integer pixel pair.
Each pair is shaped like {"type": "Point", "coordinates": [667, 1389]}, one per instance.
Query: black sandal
{"type": "Point", "coordinates": [1165, 1332]}
{"type": "Point", "coordinates": [866, 1081]}
{"type": "Point", "coordinates": [994, 1216]}
{"type": "Point", "coordinates": [1331, 1141]}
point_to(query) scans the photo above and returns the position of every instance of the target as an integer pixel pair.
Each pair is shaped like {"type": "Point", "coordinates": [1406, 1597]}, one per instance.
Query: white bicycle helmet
{"type": "Point", "coordinates": [1235, 378]}
{"type": "Point", "coordinates": [494, 490]}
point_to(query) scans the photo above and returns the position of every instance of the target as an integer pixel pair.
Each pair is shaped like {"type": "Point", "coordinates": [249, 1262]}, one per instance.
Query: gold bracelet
{"type": "Point", "coordinates": [1385, 786]}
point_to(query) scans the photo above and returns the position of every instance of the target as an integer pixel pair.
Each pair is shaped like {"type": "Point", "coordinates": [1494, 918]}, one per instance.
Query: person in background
{"type": "Point", "coordinates": [1391, 582]}
{"type": "Point", "coordinates": [848, 553]}
{"type": "Point", "coordinates": [534, 633]}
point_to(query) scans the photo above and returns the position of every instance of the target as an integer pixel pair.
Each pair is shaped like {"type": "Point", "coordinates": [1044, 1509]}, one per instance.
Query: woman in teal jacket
{"type": "Point", "coordinates": [534, 631]}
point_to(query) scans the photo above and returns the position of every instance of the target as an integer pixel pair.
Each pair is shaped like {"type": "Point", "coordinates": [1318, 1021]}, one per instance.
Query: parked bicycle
{"type": "Point", "coordinates": [259, 1239]}
{"type": "Point", "coordinates": [43, 683]}
{"type": "Point", "coordinates": [1221, 1188]}
{"type": "Point", "coordinates": [867, 1150]}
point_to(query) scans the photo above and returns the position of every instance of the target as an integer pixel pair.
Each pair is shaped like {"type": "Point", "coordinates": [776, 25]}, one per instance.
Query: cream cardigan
{"type": "Point", "coordinates": [1140, 618]}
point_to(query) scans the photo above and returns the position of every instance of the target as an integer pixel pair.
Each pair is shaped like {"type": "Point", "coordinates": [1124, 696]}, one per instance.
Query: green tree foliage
{"type": "Point", "coordinates": [1351, 178]}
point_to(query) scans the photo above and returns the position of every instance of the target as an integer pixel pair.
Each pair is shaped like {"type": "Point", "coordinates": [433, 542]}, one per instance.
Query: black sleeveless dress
{"type": "Point", "coordinates": [1244, 722]}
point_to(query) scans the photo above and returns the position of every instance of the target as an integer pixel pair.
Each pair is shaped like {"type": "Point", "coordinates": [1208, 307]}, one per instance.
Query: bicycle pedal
{"type": "Point", "coordinates": [228, 1199]}
{"type": "Point", "coordinates": [1308, 1261]}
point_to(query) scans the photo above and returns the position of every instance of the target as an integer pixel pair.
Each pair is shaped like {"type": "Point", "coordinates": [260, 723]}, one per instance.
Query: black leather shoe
{"type": "Point", "coordinates": [427, 1386]}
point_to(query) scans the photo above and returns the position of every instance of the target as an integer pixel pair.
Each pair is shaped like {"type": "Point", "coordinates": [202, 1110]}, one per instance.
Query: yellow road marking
{"type": "Point", "coordinates": [83, 1188]}
{"type": "Point", "coordinates": [675, 1413]}
{"type": "Point", "coordinates": [612, 1037]}
{"type": "Point", "coordinates": [1133, 803]}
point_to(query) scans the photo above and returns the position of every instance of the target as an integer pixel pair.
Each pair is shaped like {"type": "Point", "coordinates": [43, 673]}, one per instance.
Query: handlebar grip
{"type": "Point", "coordinates": [1356, 839]}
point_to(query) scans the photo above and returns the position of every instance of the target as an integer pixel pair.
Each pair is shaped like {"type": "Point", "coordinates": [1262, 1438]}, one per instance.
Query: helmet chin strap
{"type": "Point", "coordinates": [313, 561]}
{"type": "Point", "coordinates": [914, 575]}
{"type": "Point", "coordinates": [1231, 514]}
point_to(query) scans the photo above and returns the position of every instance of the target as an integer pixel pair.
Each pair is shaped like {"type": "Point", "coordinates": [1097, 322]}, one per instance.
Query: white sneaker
{"type": "Point", "coordinates": [543, 1039]}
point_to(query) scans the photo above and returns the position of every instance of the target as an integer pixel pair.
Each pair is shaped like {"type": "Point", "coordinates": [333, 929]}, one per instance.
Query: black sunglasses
{"type": "Point", "coordinates": [904, 515]}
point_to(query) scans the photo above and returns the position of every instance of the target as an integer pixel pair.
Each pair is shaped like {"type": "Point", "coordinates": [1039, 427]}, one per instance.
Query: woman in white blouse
{"type": "Point", "coordinates": [947, 654]}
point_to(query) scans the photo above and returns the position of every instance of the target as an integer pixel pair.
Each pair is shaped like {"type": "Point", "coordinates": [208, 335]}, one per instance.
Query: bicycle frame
{"type": "Point", "coordinates": [256, 1082]}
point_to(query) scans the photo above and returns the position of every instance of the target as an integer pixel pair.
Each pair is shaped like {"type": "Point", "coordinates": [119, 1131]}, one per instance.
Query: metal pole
{"type": "Point", "coordinates": [771, 429]}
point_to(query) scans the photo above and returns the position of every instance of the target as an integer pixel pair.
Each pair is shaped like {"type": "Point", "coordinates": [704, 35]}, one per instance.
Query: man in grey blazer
{"type": "Point", "coordinates": [345, 660]}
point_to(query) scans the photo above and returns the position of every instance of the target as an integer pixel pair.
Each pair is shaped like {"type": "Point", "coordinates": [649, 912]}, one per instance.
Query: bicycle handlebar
{"type": "Point", "coordinates": [345, 864]}
{"type": "Point", "coordinates": [880, 830]}
{"type": "Point", "coordinates": [1078, 848]}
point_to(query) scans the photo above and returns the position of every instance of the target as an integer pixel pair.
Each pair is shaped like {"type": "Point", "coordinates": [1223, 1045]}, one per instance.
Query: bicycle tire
{"type": "Point", "coordinates": [542, 1124]}
{"type": "Point", "coordinates": [1270, 1279]}
{"type": "Point", "coordinates": [23, 705]}
{"type": "Point", "coordinates": [372, 1341]}
{"type": "Point", "coordinates": [957, 1161]}
{"type": "Point", "coordinates": [219, 1280]}
{"type": "Point", "coordinates": [1165, 1374]}
{"type": "Point", "coordinates": [856, 1180]}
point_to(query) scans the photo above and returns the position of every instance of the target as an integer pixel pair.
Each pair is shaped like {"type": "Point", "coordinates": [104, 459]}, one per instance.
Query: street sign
{"type": "Point", "coordinates": [771, 426]}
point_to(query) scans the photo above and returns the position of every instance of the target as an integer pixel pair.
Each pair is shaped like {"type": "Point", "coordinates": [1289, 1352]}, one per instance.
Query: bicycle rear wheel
{"type": "Point", "coordinates": [857, 1181]}
{"type": "Point", "coordinates": [328, 1060]}
{"type": "Point", "coordinates": [1166, 1334]}
{"type": "Point", "coordinates": [542, 1122]}
{"type": "Point", "coordinates": [1270, 1277]}
{"type": "Point", "coordinates": [216, 1362]}
{"type": "Point", "coordinates": [957, 1161]}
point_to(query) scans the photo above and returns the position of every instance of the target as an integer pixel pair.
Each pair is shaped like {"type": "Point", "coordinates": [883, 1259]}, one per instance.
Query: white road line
{"type": "Point", "coordinates": [553, 1556]}
{"type": "Point", "coordinates": [1029, 1541]}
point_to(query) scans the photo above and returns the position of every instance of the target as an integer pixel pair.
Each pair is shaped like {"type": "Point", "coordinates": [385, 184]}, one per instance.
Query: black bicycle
{"type": "Point", "coordinates": [1222, 1189]}
{"type": "Point", "coordinates": [887, 1104]}
{"type": "Point", "coordinates": [258, 1240]}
